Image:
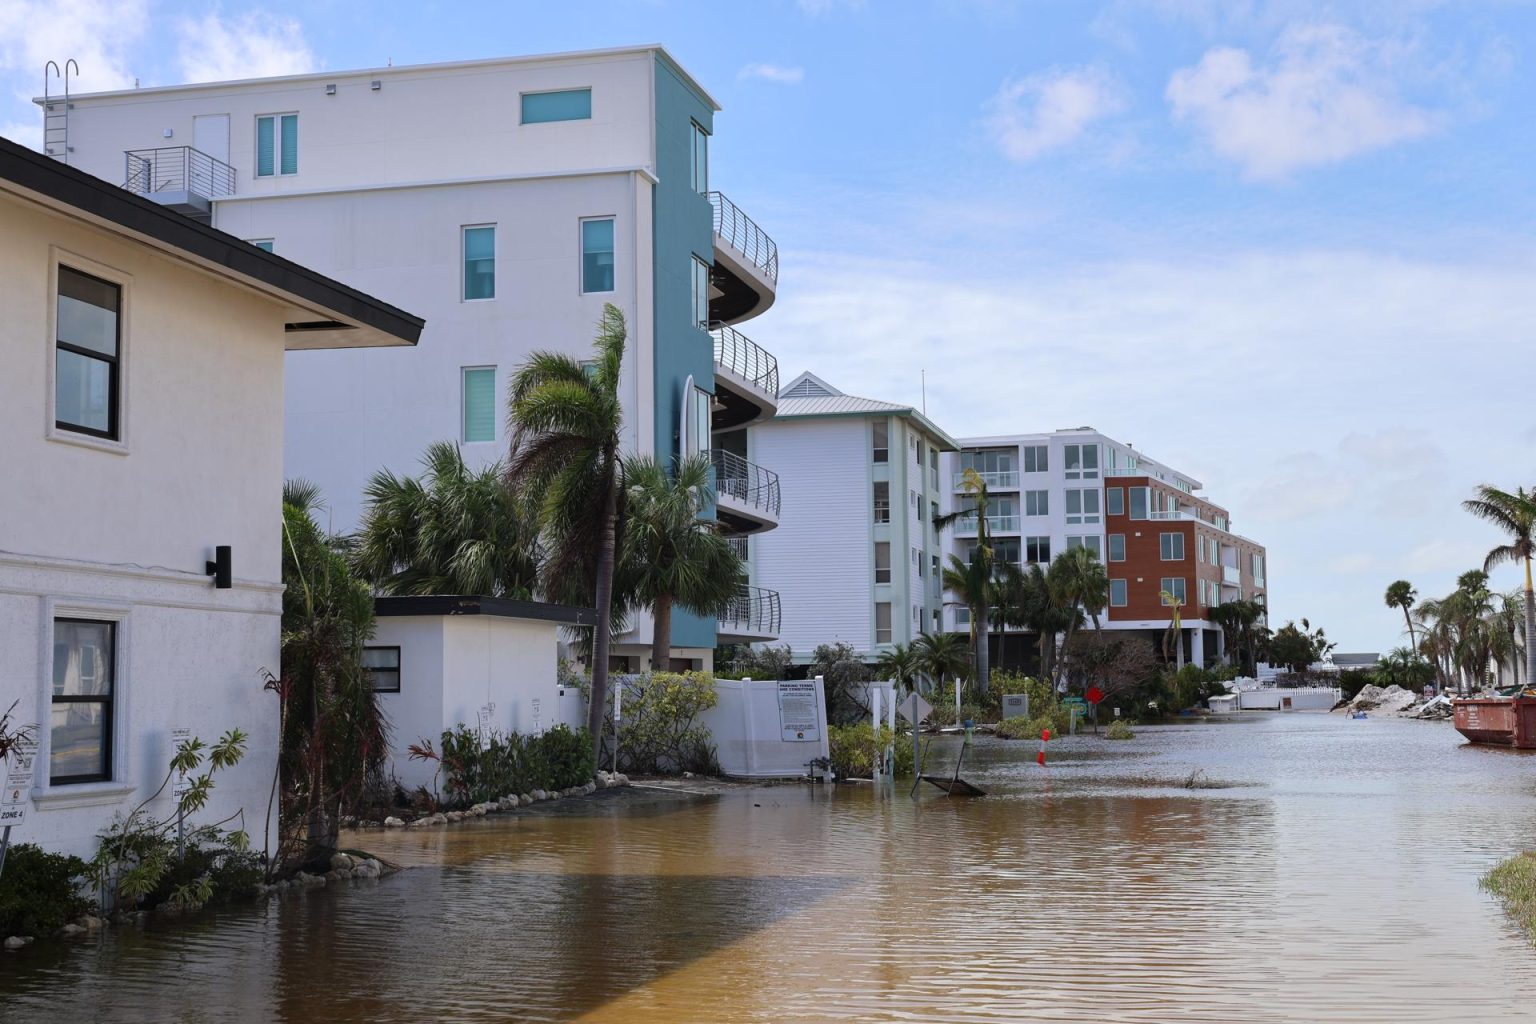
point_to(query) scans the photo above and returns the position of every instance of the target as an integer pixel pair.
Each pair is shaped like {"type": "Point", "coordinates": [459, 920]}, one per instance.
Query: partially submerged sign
{"type": "Point", "coordinates": [799, 717]}
{"type": "Point", "coordinates": [17, 795]}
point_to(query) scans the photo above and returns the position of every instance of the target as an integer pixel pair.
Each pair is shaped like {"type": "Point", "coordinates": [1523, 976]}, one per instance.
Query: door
{"type": "Point", "coordinates": [210, 135]}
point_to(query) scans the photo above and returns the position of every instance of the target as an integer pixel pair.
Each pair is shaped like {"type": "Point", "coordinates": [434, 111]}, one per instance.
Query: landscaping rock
{"type": "Point", "coordinates": [526, 799]}
{"type": "Point", "coordinates": [17, 941]}
{"type": "Point", "coordinates": [439, 818]}
{"type": "Point", "coordinates": [393, 822]}
{"type": "Point", "coordinates": [369, 868]}
{"type": "Point", "coordinates": [455, 815]}
{"type": "Point", "coordinates": [69, 931]}
{"type": "Point", "coordinates": [341, 862]}
{"type": "Point", "coordinates": [91, 924]}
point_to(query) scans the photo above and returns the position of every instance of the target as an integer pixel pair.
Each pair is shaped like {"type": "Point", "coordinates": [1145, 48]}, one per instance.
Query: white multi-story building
{"type": "Point", "coordinates": [1052, 491]}
{"type": "Point", "coordinates": [859, 561]}
{"type": "Point", "coordinates": [506, 200]}
{"type": "Point", "coordinates": [141, 406]}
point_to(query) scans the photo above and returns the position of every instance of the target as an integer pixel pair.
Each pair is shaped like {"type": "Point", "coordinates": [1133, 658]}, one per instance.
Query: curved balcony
{"type": "Point", "coordinates": [746, 494]}
{"type": "Point", "coordinates": [753, 616]}
{"type": "Point", "coordinates": [746, 380]}
{"type": "Point", "coordinates": [746, 270]}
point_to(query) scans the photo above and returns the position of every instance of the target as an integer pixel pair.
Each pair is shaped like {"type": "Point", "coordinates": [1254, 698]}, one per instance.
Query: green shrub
{"type": "Point", "coordinates": [1514, 883]}
{"type": "Point", "coordinates": [1003, 683]}
{"type": "Point", "coordinates": [857, 750]}
{"type": "Point", "coordinates": [1017, 728]}
{"type": "Point", "coordinates": [508, 763]}
{"type": "Point", "coordinates": [943, 713]}
{"type": "Point", "coordinates": [216, 873]}
{"type": "Point", "coordinates": [39, 891]}
{"type": "Point", "coordinates": [1119, 729]}
{"type": "Point", "coordinates": [660, 733]}
{"type": "Point", "coordinates": [565, 756]}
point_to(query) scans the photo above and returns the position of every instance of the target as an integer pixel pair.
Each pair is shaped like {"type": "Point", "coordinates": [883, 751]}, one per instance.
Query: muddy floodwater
{"type": "Point", "coordinates": [1332, 877]}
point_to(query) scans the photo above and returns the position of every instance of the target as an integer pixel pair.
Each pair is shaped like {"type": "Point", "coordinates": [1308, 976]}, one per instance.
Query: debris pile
{"type": "Point", "coordinates": [1392, 700]}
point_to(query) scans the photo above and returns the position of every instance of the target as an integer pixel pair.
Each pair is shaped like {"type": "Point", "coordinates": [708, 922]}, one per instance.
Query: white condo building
{"type": "Point", "coordinates": [859, 560]}
{"type": "Point", "coordinates": [506, 201]}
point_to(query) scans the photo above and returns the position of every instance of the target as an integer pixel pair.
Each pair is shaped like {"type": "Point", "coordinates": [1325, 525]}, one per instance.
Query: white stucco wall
{"type": "Point", "coordinates": [451, 666]}
{"type": "Point", "coordinates": [121, 532]}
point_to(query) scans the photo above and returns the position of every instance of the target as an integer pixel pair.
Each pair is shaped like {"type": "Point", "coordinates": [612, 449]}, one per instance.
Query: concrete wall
{"type": "Point", "coordinates": [120, 532]}
{"type": "Point", "coordinates": [451, 666]}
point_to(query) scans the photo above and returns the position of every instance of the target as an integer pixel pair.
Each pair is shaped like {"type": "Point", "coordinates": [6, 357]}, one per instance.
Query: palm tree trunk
{"type": "Point", "coordinates": [1530, 625]}
{"type": "Point", "coordinates": [604, 598]}
{"type": "Point", "coordinates": [983, 655]}
{"type": "Point", "coordinates": [661, 638]}
{"type": "Point", "coordinates": [1412, 640]}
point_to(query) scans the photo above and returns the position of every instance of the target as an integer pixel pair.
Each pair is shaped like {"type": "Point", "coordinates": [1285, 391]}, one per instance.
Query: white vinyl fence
{"type": "Point", "coordinates": [768, 728]}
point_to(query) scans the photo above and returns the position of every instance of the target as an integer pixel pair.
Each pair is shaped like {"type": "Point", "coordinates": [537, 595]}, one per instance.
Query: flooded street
{"type": "Point", "coordinates": [1332, 877]}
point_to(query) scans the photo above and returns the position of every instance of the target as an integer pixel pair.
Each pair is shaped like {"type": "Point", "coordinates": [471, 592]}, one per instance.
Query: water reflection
{"type": "Point", "coordinates": [1338, 883]}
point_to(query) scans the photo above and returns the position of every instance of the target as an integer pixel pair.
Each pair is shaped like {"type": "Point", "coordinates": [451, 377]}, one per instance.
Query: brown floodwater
{"type": "Point", "coordinates": [1334, 880]}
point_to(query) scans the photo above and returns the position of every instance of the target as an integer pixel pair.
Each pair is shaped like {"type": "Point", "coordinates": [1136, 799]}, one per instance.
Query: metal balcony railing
{"type": "Point", "coordinates": [745, 481]}
{"type": "Point", "coordinates": [1008, 479]}
{"type": "Point", "coordinates": [739, 545]}
{"type": "Point", "coordinates": [745, 358]}
{"type": "Point", "coordinates": [995, 524]}
{"type": "Point", "coordinates": [741, 233]}
{"type": "Point", "coordinates": [177, 169]}
{"type": "Point", "coordinates": [753, 611]}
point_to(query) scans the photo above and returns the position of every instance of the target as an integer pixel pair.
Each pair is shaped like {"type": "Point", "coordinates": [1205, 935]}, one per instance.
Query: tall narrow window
{"type": "Point", "coordinates": [699, 159]}
{"type": "Point", "coordinates": [882, 501]}
{"type": "Point", "coordinates": [882, 622]}
{"type": "Point", "coordinates": [1117, 594]}
{"type": "Point", "coordinates": [597, 255]}
{"type": "Point", "coordinates": [80, 726]}
{"type": "Point", "coordinates": [88, 336]}
{"type": "Point", "coordinates": [882, 440]}
{"type": "Point", "coordinates": [479, 403]}
{"type": "Point", "coordinates": [882, 561]}
{"type": "Point", "coordinates": [480, 262]}
{"type": "Point", "coordinates": [701, 293]}
{"type": "Point", "coordinates": [1114, 501]}
{"type": "Point", "coordinates": [1117, 547]}
{"type": "Point", "coordinates": [277, 144]}
{"type": "Point", "coordinates": [1138, 503]}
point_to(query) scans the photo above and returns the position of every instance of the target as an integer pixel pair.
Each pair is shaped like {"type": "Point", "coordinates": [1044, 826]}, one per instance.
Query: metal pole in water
{"type": "Point", "coordinates": [5, 844]}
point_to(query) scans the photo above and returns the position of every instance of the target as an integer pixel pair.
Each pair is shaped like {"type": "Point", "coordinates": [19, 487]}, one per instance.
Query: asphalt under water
{"type": "Point", "coordinates": [1332, 876]}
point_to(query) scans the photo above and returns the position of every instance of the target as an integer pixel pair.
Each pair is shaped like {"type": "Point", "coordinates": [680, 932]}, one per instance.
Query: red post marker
{"type": "Point", "coordinates": [1045, 735]}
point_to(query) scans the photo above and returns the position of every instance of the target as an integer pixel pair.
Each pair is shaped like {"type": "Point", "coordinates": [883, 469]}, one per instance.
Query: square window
{"type": "Point", "coordinates": [1037, 458]}
{"type": "Point", "coordinates": [1171, 546]}
{"type": "Point", "coordinates": [80, 726]}
{"type": "Point", "coordinates": [1173, 586]}
{"type": "Point", "coordinates": [1037, 503]}
{"type": "Point", "coordinates": [597, 255]}
{"type": "Point", "coordinates": [88, 336]}
{"type": "Point", "coordinates": [1037, 549]}
{"type": "Point", "coordinates": [479, 245]}
{"type": "Point", "coordinates": [382, 666]}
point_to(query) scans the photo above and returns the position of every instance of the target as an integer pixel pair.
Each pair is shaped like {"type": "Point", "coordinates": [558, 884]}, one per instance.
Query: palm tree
{"type": "Point", "coordinates": [332, 735]}
{"type": "Point", "coordinates": [901, 665]}
{"type": "Point", "coordinates": [975, 489]}
{"type": "Point", "coordinates": [1515, 514]}
{"type": "Point", "coordinates": [1401, 594]}
{"type": "Point", "coordinates": [1080, 585]}
{"type": "Point", "coordinates": [1043, 612]}
{"type": "Point", "coordinates": [966, 580]}
{"type": "Point", "coordinates": [565, 420]}
{"type": "Point", "coordinates": [453, 531]}
{"type": "Point", "coordinates": [941, 656]}
{"type": "Point", "coordinates": [670, 555]}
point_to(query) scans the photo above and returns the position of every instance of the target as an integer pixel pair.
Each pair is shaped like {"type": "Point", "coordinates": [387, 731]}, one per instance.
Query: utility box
{"type": "Point", "coordinates": [1015, 705]}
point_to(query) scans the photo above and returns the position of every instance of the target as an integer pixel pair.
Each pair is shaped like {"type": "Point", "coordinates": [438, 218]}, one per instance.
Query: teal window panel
{"type": "Point", "coordinates": [566, 105]}
{"type": "Point", "coordinates": [480, 403]}
{"type": "Point", "coordinates": [480, 262]}
{"type": "Point", "coordinates": [289, 162]}
{"type": "Point", "coordinates": [266, 146]}
{"type": "Point", "coordinates": [597, 255]}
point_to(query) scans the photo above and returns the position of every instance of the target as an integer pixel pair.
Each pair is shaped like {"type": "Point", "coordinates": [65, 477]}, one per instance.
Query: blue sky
{"type": "Point", "coordinates": [1285, 246]}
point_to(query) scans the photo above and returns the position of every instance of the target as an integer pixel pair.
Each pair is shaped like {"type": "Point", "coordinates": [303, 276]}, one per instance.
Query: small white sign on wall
{"type": "Point", "coordinates": [487, 712]}
{"type": "Point", "coordinates": [798, 717]}
{"type": "Point", "coordinates": [182, 783]}
{"type": "Point", "coordinates": [17, 795]}
{"type": "Point", "coordinates": [538, 724]}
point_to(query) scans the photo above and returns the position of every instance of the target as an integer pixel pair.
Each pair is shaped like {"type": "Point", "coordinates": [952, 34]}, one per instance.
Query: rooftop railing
{"type": "Point", "coordinates": [177, 169]}
{"type": "Point", "coordinates": [754, 611]}
{"type": "Point", "coordinates": [746, 482]}
{"type": "Point", "coordinates": [741, 233]}
{"type": "Point", "coordinates": [745, 358]}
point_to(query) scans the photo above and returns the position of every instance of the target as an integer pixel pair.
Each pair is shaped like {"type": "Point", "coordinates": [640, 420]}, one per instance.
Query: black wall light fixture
{"type": "Point", "coordinates": [219, 568]}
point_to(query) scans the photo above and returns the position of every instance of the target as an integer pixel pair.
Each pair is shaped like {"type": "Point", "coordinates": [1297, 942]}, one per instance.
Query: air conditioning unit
{"type": "Point", "coordinates": [1015, 705]}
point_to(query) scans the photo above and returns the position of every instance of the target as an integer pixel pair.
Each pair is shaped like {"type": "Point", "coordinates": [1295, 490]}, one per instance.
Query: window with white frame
{"type": "Point", "coordinates": [882, 502]}
{"type": "Point", "coordinates": [1174, 587]}
{"type": "Point", "coordinates": [1138, 501]}
{"type": "Point", "coordinates": [1256, 564]}
{"type": "Point", "coordinates": [479, 244]}
{"type": "Point", "coordinates": [1037, 458]}
{"type": "Point", "coordinates": [881, 444]}
{"type": "Point", "coordinates": [264, 244]}
{"type": "Point", "coordinates": [882, 561]}
{"type": "Point", "coordinates": [87, 378]}
{"type": "Point", "coordinates": [1081, 461]}
{"type": "Point", "coordinates": [701, 293]}
{"type": "Point", "coordinates": [1117, 547]}
{"type": "Point", "coordinates": [1037, 503]}
{"type": "Point", "coordinates": [1114, 501]}
{"type": "Point", "coordinates": [1037, 550]}
{"type": "Point", "coordinates": [1005, 550]}
{"type": "Point", "coordinates": [882, 622]}
{"type": "Point", "coordinates": [277, 145]}
{"type": "Point", "coordinates": [1171, 547]}
{"type": "Point", "coordinates": [1082, 506]}
{"type": "Point", "coordinates": [698, 159]}
{"type": "Point", "coordinates": [1118, 594]}
{"type": "Point", "coordinates": [478, 403]}
{"type": "Point", "coordinates": [82, 701]}
{"type": "Point", "coordinates": [597, 265]}
{"type": "Point", "coordinates": [1091, 541]}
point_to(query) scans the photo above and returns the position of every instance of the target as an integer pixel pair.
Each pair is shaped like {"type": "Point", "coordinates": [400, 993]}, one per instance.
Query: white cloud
{"type": "Point", "coordinates": [772, 73]}
{"type": "Point", "coordinates": [251, 45]}
{"type": "Point", "coordinates": [1326, 94]}
{"type": "Point", "coordinates": [819, 7]}
{"type": "Point", "coordinates": [1031, 116]}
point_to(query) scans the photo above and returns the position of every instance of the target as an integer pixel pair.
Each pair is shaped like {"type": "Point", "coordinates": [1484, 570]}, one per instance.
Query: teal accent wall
{"type": "Point", "coordinates": [683, 227]}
